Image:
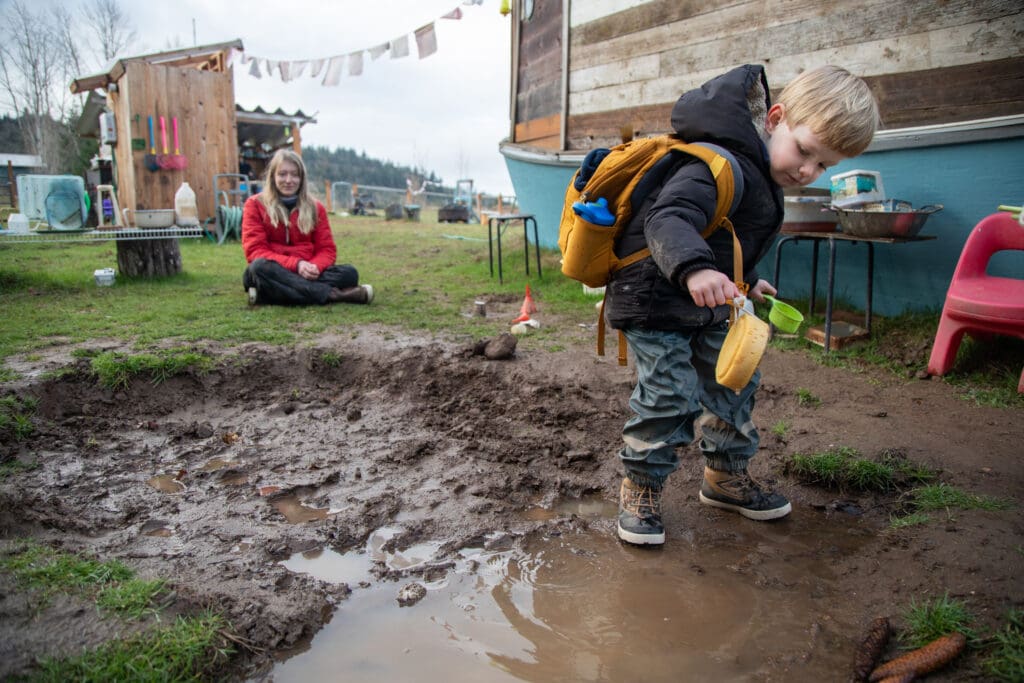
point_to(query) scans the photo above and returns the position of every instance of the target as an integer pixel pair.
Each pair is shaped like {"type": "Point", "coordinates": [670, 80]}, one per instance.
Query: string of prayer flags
{"type": "Point", "coordinates": [426, 45]}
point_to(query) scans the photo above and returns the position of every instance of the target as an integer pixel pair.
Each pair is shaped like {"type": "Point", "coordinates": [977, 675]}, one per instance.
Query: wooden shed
{"type": "Point", "coordinates": [195, 86]}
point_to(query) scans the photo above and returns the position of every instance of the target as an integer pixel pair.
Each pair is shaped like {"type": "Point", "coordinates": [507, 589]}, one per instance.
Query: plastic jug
{"type": "Point", "coordinates": [17, 222]}
{"type": "Point", "coordinates": [186, 213]}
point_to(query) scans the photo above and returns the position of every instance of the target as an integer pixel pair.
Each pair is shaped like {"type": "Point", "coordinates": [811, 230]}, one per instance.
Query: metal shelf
{"type": "Point", "coordinates": [117, 235]}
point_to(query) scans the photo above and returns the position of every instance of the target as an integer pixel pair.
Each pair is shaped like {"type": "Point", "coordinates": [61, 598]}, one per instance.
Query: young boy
{"type": "Point", "coordinates": [673, 306]}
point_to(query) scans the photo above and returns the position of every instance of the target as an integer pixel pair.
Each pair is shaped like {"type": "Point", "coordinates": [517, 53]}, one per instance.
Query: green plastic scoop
{"type": "Point", "coordinates": [784, 316]}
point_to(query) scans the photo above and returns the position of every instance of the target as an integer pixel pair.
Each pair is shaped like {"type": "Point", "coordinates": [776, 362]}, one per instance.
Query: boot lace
{"type": "Point", "coordinates": [642, 501]}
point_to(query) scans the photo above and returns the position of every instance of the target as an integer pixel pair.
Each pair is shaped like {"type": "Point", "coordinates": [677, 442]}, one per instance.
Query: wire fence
{"type": "Point", "coordinates": [345, 197]}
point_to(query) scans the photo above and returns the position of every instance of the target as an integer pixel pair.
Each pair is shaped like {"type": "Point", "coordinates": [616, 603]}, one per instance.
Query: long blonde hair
{"type": "Point", "coordinates": [271, 198]}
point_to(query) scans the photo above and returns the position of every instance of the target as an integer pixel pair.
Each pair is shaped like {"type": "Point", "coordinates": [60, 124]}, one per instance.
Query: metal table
{"type": "Point", "coordinates": [833, 238]}
{"type": "Point", "coordinates": [500, 223]}
{"type": "Point", "coordinates": [116, 234]}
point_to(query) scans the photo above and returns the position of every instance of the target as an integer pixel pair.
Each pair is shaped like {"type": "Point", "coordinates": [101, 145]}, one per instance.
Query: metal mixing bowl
{"type": "Point", "coordinates": [885, 223]}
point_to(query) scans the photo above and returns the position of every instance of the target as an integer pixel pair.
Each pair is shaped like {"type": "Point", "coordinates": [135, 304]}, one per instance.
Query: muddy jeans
{"type": "Point", "coordinates": [676, 386]}
{"type": "Point", "coordinates": [275, 284]}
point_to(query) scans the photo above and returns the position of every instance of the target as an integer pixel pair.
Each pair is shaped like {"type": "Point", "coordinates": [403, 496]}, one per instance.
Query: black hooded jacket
{"type": "Point", "coordinates": [670, 220]}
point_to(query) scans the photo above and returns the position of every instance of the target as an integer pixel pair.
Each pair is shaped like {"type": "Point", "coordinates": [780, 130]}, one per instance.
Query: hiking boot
{"type": "Point", "coordinates": [640, 514]}
{"type": "Point", "coordinates": [740, 492]}
{"type": "Point", "coordinates": [363, 294]}
{"type": "Point", "coordinates": [252, 296]}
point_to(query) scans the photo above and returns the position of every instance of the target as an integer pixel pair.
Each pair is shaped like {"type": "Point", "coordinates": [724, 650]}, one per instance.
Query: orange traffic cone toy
{"type": "Point", "coordinates": [527, 309]}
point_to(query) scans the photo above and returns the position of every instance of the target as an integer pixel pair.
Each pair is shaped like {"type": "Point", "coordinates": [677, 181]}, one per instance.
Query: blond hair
{"type": "Point", "coordinates": [836, 105]}
{"type": "Point", "coordinates": [271, 198]}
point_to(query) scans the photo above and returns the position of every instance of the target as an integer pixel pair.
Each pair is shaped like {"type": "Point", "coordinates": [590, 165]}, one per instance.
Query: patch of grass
{"type": "Point", "coordinates": [49, 572]}
{"type": "Point", "coordinates": [780, 428]}
{"type": "Point", "coordinates": [843, 468]}
{"type": "Point", "coordinates": [331, 359]}
{"type": "Point", "coordinates": [133, 598]}
{"type": "Point", "coordinates": [933, 619]}
{"type": "Point", "coordinates": [13, 467]}
{"type": "Point", "coordinates": [16, 416]}
{"type": "Point", "coordinates": [986, 370]}
{"type": "Point", "coordinates": [913, 519]}
{"type": "Point", "coordinates": [191, 649]}
{"type": "Point", "coordinates": [945, 497]}
{"type": "Point", "coordinates": [116, 370]}
{"type": "Point", "coordinates": [1005, 659]}
{"type": "Point", "coordinates": [7, 375]}
{"type": "Point", "coordinates": [805, 398]}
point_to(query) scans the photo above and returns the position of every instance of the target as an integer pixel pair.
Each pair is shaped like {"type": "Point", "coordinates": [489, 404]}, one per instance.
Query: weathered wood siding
{"type": "Point", "coordinates": [928, 62]}
{"type": "Point", "coordinates": [204, 102]}
{"type": "Point", "coordinates": [538, 102]}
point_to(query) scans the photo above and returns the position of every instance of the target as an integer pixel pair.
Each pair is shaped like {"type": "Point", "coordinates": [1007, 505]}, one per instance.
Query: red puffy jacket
{"type": "Point", "coordinates": [286, 244]}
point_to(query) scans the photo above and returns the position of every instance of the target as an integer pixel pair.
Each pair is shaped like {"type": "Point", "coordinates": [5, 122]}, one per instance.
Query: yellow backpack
{"type": "Point", "coordinates": [623, 176]}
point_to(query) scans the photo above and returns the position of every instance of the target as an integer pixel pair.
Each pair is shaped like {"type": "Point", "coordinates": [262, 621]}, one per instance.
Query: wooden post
{"type": "Point", "coordinates": [327, 193]}
{"type": "Point", "coordinates": [14, 187]}
{"type": "Point", "coordinates": [296, 138]}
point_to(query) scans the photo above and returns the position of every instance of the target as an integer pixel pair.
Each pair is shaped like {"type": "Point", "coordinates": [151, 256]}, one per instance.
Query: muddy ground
{"type": "Point", "coordinates": [210, 480]}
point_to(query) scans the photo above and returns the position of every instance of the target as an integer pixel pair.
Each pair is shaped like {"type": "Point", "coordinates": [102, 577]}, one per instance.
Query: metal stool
{"type": "Point", "coordinates": [500, 222]}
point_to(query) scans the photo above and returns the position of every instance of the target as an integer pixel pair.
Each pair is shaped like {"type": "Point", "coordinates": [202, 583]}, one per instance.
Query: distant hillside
{"type": "Point", "coordinates": [347, 165]}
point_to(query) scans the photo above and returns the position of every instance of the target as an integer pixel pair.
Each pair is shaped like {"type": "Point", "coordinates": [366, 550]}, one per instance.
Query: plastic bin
{"type": "Point", "coordinates": [857, 187]}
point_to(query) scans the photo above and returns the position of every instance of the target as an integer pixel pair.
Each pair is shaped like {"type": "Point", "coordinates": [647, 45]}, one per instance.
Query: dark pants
{"type": "Point", "coordinates": [275, 284]}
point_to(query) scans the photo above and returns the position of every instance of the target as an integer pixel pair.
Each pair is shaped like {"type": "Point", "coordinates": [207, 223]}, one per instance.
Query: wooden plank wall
{"type": "Point", "coordinates": [927, 62]}
{"type": "Point", "coordinates": [204, 102]}
{"type": "Point", "coordinates": [539, 95]}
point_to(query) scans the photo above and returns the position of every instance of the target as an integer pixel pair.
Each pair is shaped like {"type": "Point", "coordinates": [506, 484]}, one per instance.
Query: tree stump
{"type": "Point", "coordinates": [148, 258]}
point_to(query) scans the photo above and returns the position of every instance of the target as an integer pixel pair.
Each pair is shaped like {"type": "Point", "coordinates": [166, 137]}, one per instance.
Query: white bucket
{"type": "Point", "coordinates": [104, 277]}
{"type": "Point", "coordinates": [17, 222]}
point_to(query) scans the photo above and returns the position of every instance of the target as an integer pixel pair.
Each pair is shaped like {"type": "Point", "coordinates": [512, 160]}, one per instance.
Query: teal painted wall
{"type": "Point", "coordinates": [970, 180]}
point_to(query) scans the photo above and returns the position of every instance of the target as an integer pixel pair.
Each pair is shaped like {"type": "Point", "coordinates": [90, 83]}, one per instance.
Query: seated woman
{"type": "Point", "coordinates": [288, 244]}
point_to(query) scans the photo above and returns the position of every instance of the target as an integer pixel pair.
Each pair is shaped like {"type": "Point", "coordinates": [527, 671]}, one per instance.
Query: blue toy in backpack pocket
{"type": "Point", "coordinates": [595, 212]}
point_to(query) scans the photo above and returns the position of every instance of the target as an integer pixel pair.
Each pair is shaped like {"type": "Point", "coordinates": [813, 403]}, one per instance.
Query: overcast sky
{"type": "Point", "coordinates": [445, 113]}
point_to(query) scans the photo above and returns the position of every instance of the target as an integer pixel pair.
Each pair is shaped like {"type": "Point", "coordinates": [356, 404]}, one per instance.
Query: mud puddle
{"type": "Point", "coordinates": [579, 606]}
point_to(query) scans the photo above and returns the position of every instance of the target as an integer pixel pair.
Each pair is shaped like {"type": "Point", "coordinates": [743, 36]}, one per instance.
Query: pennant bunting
{"type": "Point", "coordinates": [454, 14]}
{"type": "Point", "coordinates": [254, 70]}
{"type": "Point", "coordinates": [400, 47]}
{"type": "Point", "coordinates": [334, 67]}
{"type": "Point", "coordinates": [298, 67]}
{"type": "Point", "coordinates": [377, 50]}
{"type": "Point", "coordinates": [355, 63]}
{"type": "Point", "coordinates": [285, 68]}
{"type": "Point", "coordinates": [315, 66]}
{"type": "Point", "coordinates": [426, 41]}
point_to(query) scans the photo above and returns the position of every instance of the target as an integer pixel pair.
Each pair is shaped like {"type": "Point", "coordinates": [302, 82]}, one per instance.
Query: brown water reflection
{"type": "Point", "coordinates": [584, 607]}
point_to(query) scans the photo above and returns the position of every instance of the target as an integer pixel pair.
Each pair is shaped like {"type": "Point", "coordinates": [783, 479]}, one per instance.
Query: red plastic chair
{"type": "Point", "coordinates": [979, 303]}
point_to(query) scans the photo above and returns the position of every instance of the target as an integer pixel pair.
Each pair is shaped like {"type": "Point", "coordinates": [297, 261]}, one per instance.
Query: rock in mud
{"type": "Point", "coordinates": [501, 347]}
{"type": "Point", "coordinates": [410, 594]}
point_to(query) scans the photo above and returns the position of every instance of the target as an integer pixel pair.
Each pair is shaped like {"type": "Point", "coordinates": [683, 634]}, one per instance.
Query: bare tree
{"type": "Point", "coordinates": [40, 55]}
{"type": "Point", "coordinates": [112, 27]}
{"type": "Point", "coordinates": [30, 61]}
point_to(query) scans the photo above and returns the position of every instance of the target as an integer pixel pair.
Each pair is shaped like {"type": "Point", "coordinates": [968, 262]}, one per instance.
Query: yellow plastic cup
{"type": "Point", "coordinates": [784, 316]}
